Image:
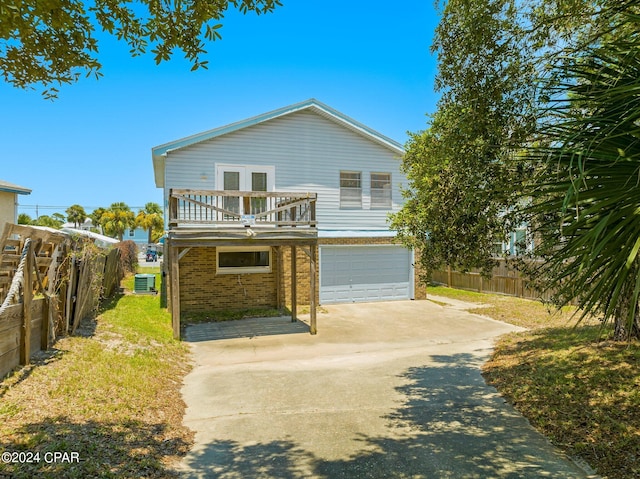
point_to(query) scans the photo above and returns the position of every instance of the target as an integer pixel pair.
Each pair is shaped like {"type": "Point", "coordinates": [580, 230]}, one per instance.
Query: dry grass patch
{"type": "Point", "coordinates": [112, 395]}
{"type": "Point", "coordinates": [583, 393]}
{"type": "Point", "coordinates": [517, 311]}
{"type": "Point", "coordinates": [575, 386]}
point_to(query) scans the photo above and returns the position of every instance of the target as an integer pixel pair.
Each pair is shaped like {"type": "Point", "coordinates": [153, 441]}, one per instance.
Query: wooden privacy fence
{"type": "Point", "coordinates": [24, 327]}
{"type": "Point", "coordinates": [19, 335]}
{"type": "Point", "coordinates": [504, 280]}
{"type": "Point", "coordinates": [91, 277]}
{"type": "Point", "coordinates": [46, 299]}
{"type": "Point", "coordinates": [49, 246]}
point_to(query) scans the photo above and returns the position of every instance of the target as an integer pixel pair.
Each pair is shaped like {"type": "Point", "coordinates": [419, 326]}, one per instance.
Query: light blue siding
{"type": "Point", "coordinates": [138, 235]}
{"type": "Point", "coordinates": [308, 150]}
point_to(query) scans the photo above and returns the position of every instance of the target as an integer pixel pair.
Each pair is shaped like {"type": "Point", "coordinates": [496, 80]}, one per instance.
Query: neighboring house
{"type": "Point", "coordinates": [86, 225]}
{"type": "Point", "coordinates": [9, 202]}
{"type": "Point", "coordinates": [240, 199]}
{"type": "Point", "coordinates": [519, 241]}
{"type": "Point", "coordinates": [139, 236]}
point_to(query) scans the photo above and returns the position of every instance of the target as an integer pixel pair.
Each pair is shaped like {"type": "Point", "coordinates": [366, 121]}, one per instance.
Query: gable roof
{"type": "Point", "coordinates": [11, 188]}
{"type": "Point", "coordinates": [159, 153]}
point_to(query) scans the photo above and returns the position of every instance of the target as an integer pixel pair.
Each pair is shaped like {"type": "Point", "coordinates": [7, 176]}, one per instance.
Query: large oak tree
{"type": "Point", "coordinates": [52, 42]}
{"type": "Point", "coordinates": [461, 179]}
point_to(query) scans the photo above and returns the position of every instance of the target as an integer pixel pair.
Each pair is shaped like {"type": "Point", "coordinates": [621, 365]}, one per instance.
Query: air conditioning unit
{"type": "Point", "coordinates": [144, 283]}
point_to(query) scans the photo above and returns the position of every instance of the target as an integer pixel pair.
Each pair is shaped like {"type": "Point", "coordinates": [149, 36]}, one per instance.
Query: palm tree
{"type": "Point", "coordinates": [117, 219]}
{"type": "Point", "coordinates": [151, 219]}
{"type": "Point", "coordinates": [53, 221]}
{"type": "Point", "coordinates": [96, 218]}
{"type": "Point", "coordinates": [585, 199]}
{"type": "Point", "coordinates": [24, 219]}
{"type": "Point", "coordinates": [76, 215]}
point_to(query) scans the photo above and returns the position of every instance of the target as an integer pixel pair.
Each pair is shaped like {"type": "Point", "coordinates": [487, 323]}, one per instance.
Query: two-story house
{"type": "Point", "coordinates": [287, 207]}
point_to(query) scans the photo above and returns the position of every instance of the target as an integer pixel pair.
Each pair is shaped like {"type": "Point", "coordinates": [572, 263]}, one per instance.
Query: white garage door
{"type": "Point", "coordinates": [364, 273]}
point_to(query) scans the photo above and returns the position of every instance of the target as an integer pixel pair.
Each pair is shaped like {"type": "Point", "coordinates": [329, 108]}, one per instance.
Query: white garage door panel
{"type": "Point", "coordinates": [380, 292]}
{"type": "Point", "coordinates": [364, 273]}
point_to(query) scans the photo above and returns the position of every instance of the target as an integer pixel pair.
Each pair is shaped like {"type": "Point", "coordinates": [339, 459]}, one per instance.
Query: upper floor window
{"type": "Point", "coordinates": [350, 189]}
{"type": "Point", "coordinates": [245, 178]}
{"type": "Point", "coordinates": [381, 190]}
{"type": "Point", "coordinates": [132, 232]}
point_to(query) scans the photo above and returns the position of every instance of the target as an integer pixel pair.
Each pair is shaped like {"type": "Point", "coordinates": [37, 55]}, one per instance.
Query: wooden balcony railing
{"type": "Point", "coordinates": [241, 208]}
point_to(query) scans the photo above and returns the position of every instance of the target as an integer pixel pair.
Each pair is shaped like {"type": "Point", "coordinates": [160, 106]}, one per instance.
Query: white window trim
{"type": "Point", "coordinates": [340, 189]}
{"type": "Point", "coordinates": [247, 169]}
{"type": "Point", "coordinates": [241, 269]}
{"type": "Point", "coordinates": [510, 247]}
{"type": "Point", "coordinates": [528, 241]}
{"type": "Point", "coordinates": [386, 206]}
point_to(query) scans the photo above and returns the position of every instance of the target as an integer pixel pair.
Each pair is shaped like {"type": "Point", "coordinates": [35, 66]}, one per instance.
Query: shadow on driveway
{"type": "Point", "coordinates": [448, 424]}
{"type": "Point", "coordinates": [244, 328]}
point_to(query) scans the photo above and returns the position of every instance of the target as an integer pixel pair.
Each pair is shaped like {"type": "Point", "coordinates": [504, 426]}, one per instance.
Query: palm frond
{"type": "Point", "coordinates": [590, 183]}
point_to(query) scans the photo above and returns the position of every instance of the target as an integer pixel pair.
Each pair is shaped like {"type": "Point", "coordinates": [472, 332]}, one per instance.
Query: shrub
{"type": "Point", "coordinates": [128, 256]}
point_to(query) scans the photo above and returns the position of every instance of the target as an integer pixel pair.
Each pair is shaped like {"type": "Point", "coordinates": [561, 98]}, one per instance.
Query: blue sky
{"type": "Point", "coordinates": [92, 146]}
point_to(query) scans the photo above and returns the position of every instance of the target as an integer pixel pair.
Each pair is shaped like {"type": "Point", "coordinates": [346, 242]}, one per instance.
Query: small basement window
{"type": "Point", "coordinates": [236, 260]}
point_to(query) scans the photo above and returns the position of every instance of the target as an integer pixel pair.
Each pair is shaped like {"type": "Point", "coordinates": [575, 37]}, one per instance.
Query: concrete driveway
{"type": "Point", "coordinates": [383, 390]}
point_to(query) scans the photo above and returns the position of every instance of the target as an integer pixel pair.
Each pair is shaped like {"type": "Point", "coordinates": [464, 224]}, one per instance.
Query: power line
{"type": "Point", "coordinates": [59, 209]}
{"type": "Point", "coordinates": [50, 207]}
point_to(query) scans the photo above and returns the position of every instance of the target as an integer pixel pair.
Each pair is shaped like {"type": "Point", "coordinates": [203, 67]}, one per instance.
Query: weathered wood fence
{"type": "Point", "coordinates": [19, 335]}
{"type": "Point", "coordinates": [91, 278]}
{"type": "Point", "coordinates": [504, 280]}
{"type": "Point", "coordinates": [47, 289]}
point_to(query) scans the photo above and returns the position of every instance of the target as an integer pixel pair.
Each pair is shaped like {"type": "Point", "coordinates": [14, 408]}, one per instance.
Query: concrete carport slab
{"type": "Point", "coordinates": [384, 390]}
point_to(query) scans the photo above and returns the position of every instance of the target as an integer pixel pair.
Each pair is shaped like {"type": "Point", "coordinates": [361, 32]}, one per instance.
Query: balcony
{"type": "Point", "coordinates": [202, 222]}
{"type": "Point", "coordinates": [200, 209]}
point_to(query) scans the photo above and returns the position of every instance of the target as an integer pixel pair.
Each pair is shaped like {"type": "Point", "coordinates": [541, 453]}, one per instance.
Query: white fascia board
{"type": "Point", "coordinates": [359, 127]}
{"type": "Point", "coordinates": [159, 169]}
{"type": "Point", "coordinates": [160, 152]}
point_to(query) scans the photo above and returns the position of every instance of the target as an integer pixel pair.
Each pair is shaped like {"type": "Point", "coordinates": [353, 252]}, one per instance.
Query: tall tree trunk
{"type": "Point", "coordinates": [627, 323]}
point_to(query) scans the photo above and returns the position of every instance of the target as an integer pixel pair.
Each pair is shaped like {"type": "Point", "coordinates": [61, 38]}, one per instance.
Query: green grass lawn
{"type": "Point", "coordinates": [111, 395]}
{"type": "Point", "coordinates": [577, 387]}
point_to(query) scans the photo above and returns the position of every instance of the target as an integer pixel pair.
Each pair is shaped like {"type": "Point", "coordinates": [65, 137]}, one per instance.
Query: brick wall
{"type": "Point", "coordinates": [420, 289]}
{"type": "Point", "coordinates": [302, 274]}
{"type": "Point", "coordinates": [202, 290]}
